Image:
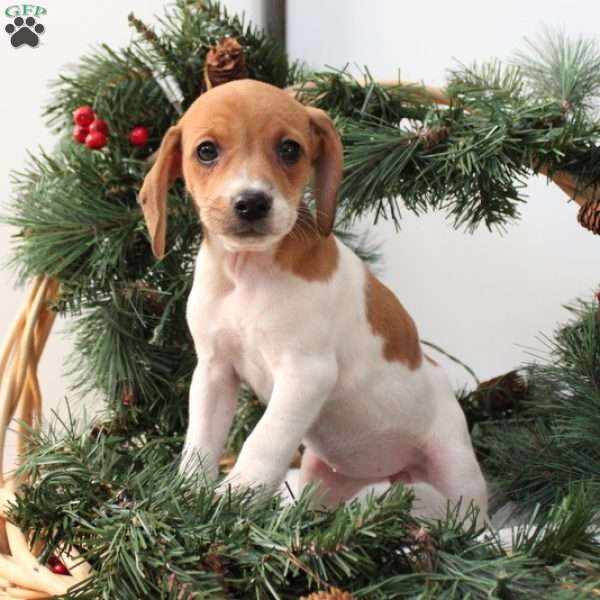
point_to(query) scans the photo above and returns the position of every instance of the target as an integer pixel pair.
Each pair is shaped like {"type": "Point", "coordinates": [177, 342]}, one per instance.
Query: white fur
{"type": "Point", "coordinates": [280, 220]}
{"type": "Point", "coordinates": [309, 353]}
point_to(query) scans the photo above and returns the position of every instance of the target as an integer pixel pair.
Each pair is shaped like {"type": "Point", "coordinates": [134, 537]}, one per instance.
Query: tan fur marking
{"type": "Point", "coordinates": [306, 253]}
{"type": "Point", "coordinates": [389, 319]}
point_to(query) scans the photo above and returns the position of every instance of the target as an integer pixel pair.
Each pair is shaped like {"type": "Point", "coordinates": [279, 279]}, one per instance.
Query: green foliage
{"type": "Point", "coordinates": [563, 69]}
{"type": "Point", "coordinates": [469, 159]}
{"type": "Point", "coordinates": [478, 80]}
{"type": "Point", "coordinates": [551, 442]}
{"type": "Point", "coordinates": [149, 534]}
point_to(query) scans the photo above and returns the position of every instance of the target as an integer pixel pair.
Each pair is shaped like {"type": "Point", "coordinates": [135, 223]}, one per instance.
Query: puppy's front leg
{"type": "Point", "coordinates": [301, 387]}
{"type": "Point", "coordinates": [213, 400]}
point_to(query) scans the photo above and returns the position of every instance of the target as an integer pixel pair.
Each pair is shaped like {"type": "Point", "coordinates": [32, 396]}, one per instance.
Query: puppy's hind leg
{"type": "Point", "coordinates": [334, 488]}
{"type": "Point", "coordinates": [451, 467]}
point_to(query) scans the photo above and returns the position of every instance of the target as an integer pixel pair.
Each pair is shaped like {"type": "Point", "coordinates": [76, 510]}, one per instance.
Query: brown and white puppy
{"type": "Point", "coordinates": [280, 303]}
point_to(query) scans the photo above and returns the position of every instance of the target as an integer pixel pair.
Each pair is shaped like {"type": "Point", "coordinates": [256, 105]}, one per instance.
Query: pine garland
{"type": "Point", "coordinates": [149, 534]}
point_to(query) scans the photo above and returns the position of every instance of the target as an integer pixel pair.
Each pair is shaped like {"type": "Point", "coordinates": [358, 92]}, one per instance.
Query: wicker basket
{"type": "Point", "coordinates": [22, 575]}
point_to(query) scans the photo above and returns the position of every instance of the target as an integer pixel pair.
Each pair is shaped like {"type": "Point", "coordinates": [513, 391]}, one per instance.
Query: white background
{"type": "Point", "coordinates": [484, 297]}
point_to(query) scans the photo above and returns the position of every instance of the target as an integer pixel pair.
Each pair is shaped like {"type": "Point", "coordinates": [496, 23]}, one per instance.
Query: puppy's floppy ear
{"type": "Point", "coordinates": [328, 163]}
{"type": "Point", "coordinates": [153, 195]}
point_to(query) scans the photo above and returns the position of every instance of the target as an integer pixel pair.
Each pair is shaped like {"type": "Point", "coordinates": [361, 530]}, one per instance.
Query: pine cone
{"type": "Point", "coordinates": [151, 297]}
{"type": "Point", "coordinates": [500, 393]}
{"type": "Point", "coordinates": [432, 136]}
{"type": "Point", "coordinates": [423, 548]}
{"type": "Point", "coordinates": [225, 62]}
{"type": "Point", "coordinates": [495, 398]}
{"type": "Point", "coordinates": [332, 594]}
{"type": "Point", "coordinates": [589, 216]}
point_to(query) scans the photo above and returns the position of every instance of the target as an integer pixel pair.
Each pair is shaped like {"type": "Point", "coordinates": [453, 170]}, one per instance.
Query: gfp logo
{"type": "Point", "coordinates": [24, 28]}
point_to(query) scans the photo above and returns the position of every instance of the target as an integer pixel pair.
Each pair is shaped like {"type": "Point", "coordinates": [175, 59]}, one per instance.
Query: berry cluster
{"type": "Point", "coordinates": [93, 131]}
{"type": "Point", "coordinates": [89, 129]}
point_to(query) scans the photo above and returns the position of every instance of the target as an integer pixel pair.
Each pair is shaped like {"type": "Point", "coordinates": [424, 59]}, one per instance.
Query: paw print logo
{"type": "Point", "coordinates": [24, 31]}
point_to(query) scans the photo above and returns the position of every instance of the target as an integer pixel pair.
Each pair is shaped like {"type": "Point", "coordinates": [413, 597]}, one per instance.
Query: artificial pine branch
{"type": "Point", "coordinates": [170, 534]}
{"type": "Point", "coordinates": [564, 69]}
{"type": "Point", "coordinates": [148, 34]}
{"type": "Point", "coordinates": [475, 171]}
{"type": "Point", "coordinates": [550, 444]}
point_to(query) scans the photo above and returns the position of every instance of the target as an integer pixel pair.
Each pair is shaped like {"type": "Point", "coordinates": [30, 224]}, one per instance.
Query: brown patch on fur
{"type": "Point", "coordinates": [389, 320]}
{"type": "Point", "coordinates": [306, 253]}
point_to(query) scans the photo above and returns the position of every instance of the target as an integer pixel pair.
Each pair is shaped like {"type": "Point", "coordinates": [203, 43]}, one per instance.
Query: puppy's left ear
{"type": "Point", "coordinates": [153, 195]}
{"type": "Point", "coordinates": [328, 163]}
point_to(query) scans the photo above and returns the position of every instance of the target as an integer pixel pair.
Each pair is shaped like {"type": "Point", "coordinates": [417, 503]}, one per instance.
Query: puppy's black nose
{"type": "Point", "coordinates": [252, 205]}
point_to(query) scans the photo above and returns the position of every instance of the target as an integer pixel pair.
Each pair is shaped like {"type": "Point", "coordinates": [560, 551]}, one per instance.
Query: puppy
{"type": "Point", "coordinates": [280, 303]}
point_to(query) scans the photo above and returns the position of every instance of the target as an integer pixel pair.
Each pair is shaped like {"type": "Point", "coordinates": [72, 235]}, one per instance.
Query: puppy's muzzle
{"type": "Point", "coordinates": [252, 205]}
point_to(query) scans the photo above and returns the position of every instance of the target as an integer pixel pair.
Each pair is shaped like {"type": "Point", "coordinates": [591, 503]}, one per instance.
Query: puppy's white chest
{"type": "Point", "coordinates": [240, 348]}
{"type": "Point", "coordinates": [235, 326]}
{"type": "Point", "coordinates": [248, 347]}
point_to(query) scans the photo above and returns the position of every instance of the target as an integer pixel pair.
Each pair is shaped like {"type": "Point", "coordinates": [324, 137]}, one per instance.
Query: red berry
{"type": "Point", "coordinates": [99, 125]}
{"type": "Point", "coordinates": [139, 136]}
{"type": "Point", "coordinates": [84, 115]}
{"type": "Point", "coordinates": [598, 296]}
{"type": "Point", "coordinates": [57, 566]}
{"type": "Point", "coordinates": [95, 140]}
{"type": "Point", "coordinates": [59, 569]}
{"type": "Point", "coordinates": [80, 133]}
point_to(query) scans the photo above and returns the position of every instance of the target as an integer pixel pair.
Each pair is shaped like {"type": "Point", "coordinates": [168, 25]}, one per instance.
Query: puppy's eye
{"type": "Point", "coordinates": [207, 152]}
{"type": "Point", "coordinates": [289, 151]}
